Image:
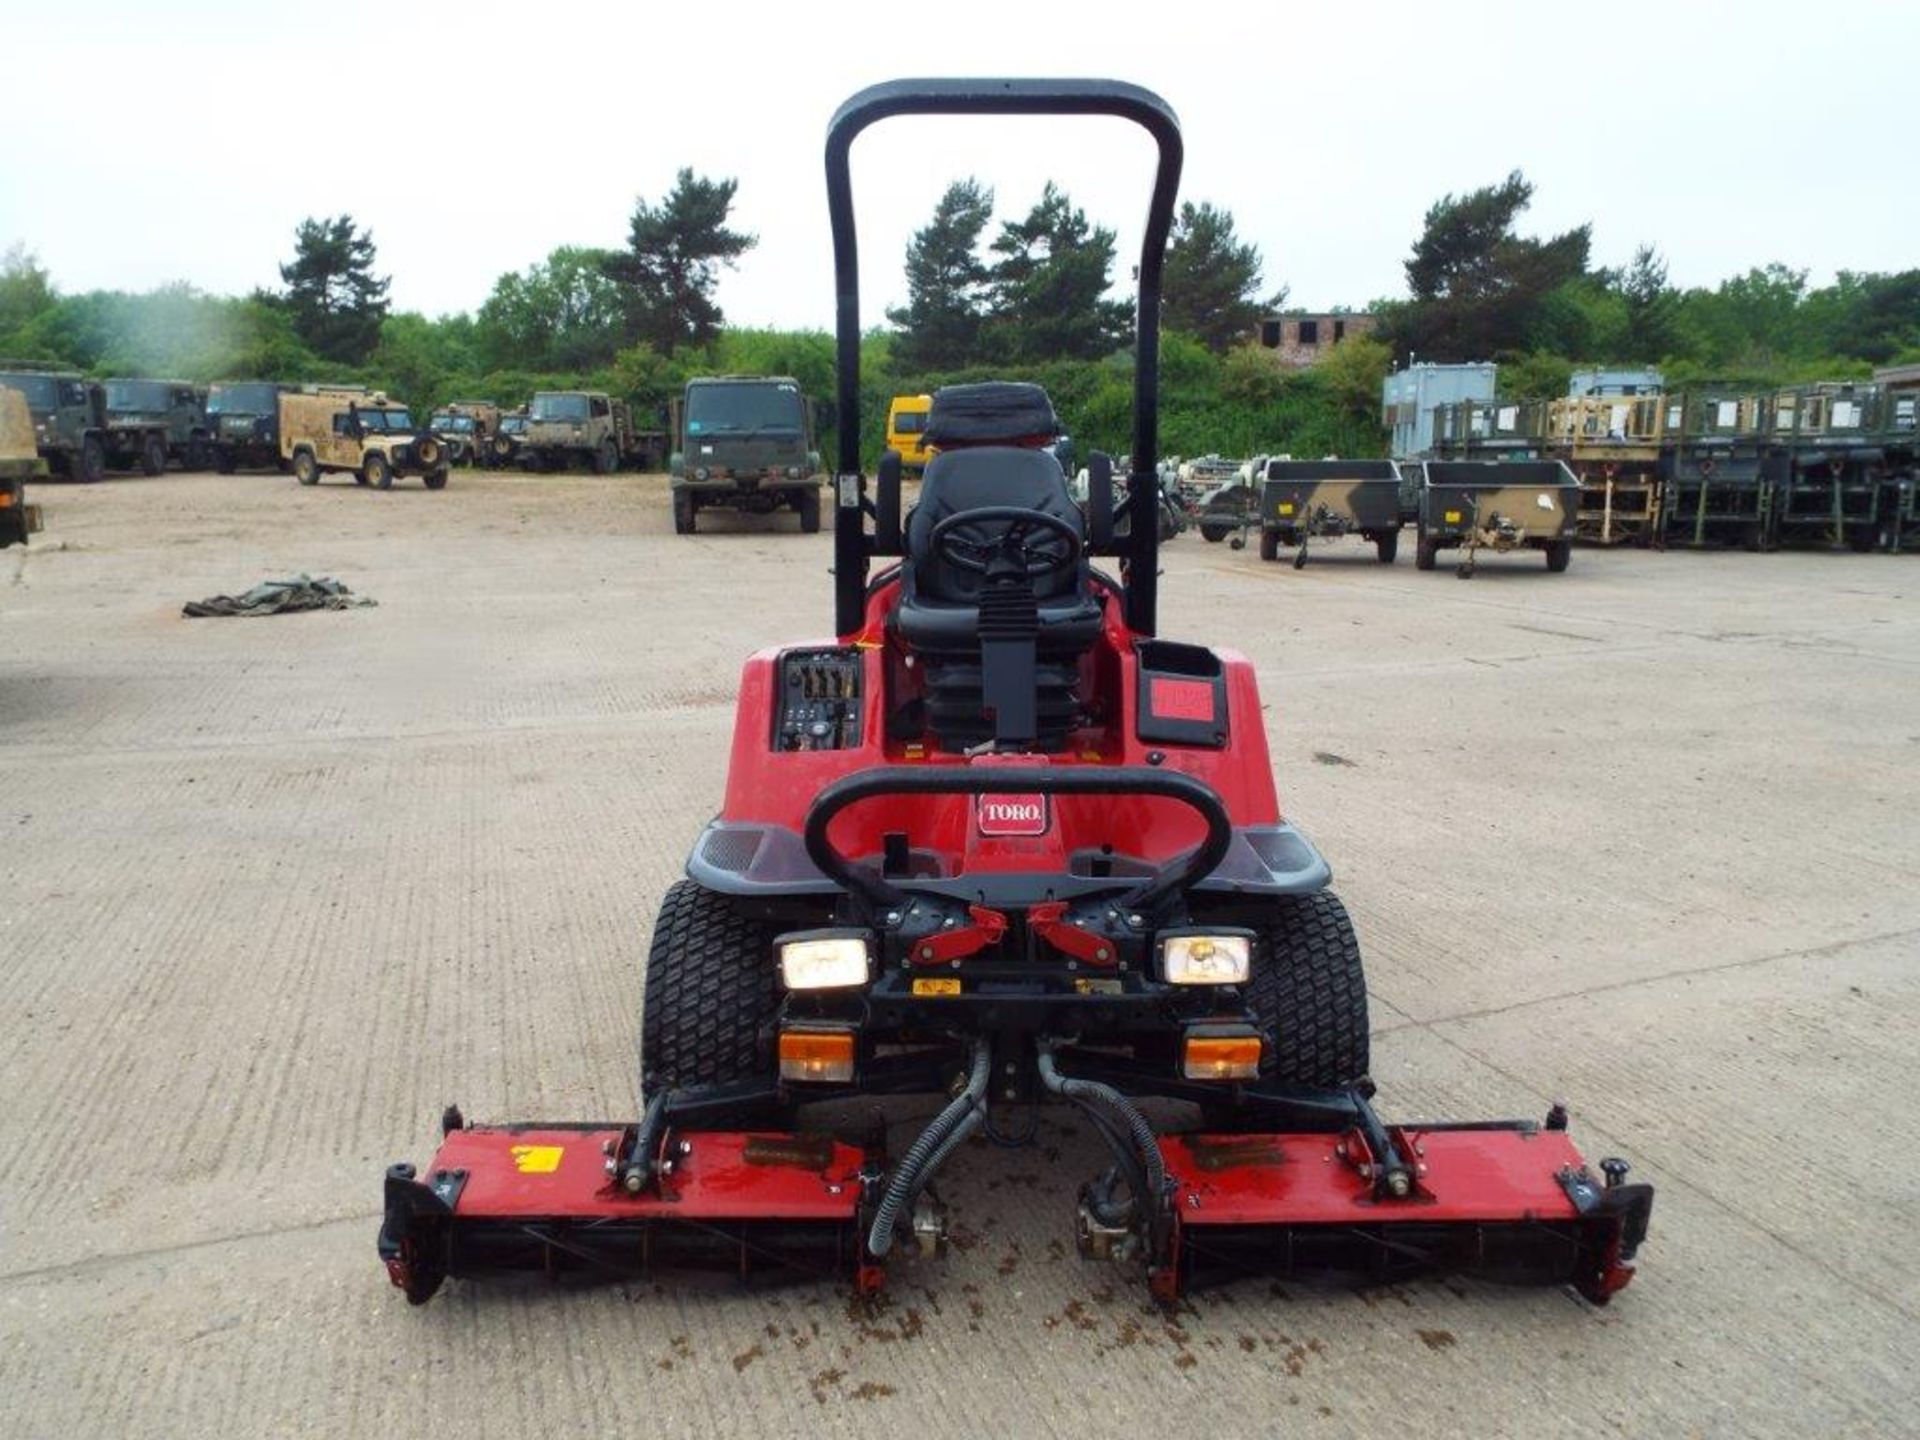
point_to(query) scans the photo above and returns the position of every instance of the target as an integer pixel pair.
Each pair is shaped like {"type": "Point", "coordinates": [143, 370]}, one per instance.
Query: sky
{"type": "Point", "coordinates": [474, 138]}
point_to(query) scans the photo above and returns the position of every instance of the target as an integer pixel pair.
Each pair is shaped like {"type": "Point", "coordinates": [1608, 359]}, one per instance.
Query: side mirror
{"type": "Point", "coordinates": [886, 506]}
{"type": "Point", "coordinates": [1099, 503]}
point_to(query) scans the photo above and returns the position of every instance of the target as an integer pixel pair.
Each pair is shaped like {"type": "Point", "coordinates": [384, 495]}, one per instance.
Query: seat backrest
{"type": "Point", "coordinates": [972, 479]}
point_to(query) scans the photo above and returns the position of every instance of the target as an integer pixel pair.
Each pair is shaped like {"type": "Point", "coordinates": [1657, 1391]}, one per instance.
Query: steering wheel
{"type": "Point", "coordinates": [1037, 553]}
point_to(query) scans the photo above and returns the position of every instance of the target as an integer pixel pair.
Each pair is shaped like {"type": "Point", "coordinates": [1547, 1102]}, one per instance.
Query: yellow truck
{"type": "Point", "coordinates": [360, 432]}
{"type": "Point", "coordinates": [907, 429]}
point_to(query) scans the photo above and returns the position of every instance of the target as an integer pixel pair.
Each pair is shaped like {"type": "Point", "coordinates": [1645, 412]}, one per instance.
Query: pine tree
{"type": "Point", "coordinates": [672, 263]}
{"type": "Point", "coordinates": [336, 302]}
{"type": "Point", "coordinates": [946, 283]}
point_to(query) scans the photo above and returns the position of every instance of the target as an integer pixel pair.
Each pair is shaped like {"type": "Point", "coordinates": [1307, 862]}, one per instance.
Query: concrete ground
{"type": "Point", "coordinates": [1645, 836]}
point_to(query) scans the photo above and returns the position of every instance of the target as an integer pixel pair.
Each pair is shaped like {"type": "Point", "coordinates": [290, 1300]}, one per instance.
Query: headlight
{"type": "Point", "coordinates": [793, 472]}
{"type": "Point", "coordinates": [1211, 957]}
{"type": "Point", "coordinates": [701, 473]}
{"type": "Point", "coordinates": [824, 959]}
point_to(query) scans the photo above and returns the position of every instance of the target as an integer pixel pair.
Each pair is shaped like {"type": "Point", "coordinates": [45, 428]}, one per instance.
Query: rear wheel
{"type": "Point", "coordinates": [810, 512]}
{"type": "Point", "coordinates": [223, 460]}
{"type": "Point", "coordinates": [1269, 544]}
{"type": "Point", "coordinates": [710, 992]}
{"type": "Point", "coordinates": [153, 455]}
{"type": "Point", "coordinates": [1310, 991]}
{"type": "Point", "coordinates": [435, 479]}
{"type": "Point", "coordinates": [1426, 554]}
{"type": "Point", "coordinates": [683, 523]}
{"type": "Point", "coordinates": [1387, 546]}
{"type": "Point", "coordinates": [306, 469]}
{"type": "Point", "coordinates": [1559, 555]}
{"type": "Point", "coordinates": [196, 455]}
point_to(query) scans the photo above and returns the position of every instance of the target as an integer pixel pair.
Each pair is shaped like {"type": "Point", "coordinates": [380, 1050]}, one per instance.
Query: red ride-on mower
{"type": "Point", "coordinates": [998, 841]}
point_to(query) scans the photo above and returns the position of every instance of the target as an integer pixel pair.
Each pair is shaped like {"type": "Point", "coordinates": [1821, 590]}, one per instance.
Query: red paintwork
{"type": "Point", "coordinates": [1180, 699]}
{"type": "Point", "coordinates": [766, 786]}
{"type": "Point", "coordinates": [1048, 921]}
{"type": "Point", "coordinates": [713, 1181]}
{"type": "Point", "coordinates": [984, 929]}
{"type": "Point", "coordinates": [1471, 1175]}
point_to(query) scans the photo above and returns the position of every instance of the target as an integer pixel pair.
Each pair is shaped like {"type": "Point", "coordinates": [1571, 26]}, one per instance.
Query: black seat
{"type": "Point", "coordinates": [938, 615]}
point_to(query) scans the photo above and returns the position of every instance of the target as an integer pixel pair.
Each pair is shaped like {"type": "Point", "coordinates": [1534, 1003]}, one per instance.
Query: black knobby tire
{"type": "Point", "coordinates": [1269, 544]}
{"type": "Point", "coordinates": [683, 521]}
{"type": "Point", "coordinates": [710, 992]}
{"type": "Point", "coordinates": [1387, 546]}
{"type": "Point", "coordinates": [1214, 534]}
{"type": "Point", "coordinates": [225, 461]}
{"type": "Point", "coordinates": [436, 479]}
{"type": "Point", "coordinates": [90, 462]}
{"type": "Point", "coordinates": [196, 458]}
{"type": "Point", "coordinates": [606, 459]}
{"type": "Point", "coordinates": [153, 455]}
{"type": "Point", "coordinates": [810, 512]}
{"type": "Point", "coordinates": [1310, 991]}
{"type": "Point", "coordinates": [1559, 555]}
{"type": "Point", "coordinates": [1426, 554]}
{"type": "Point", "coordinates": [376, 469]}
{"type": "Point", "coordinates": [306, 469]}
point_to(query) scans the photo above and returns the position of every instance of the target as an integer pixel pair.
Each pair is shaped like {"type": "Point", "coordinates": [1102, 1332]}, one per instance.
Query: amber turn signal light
{"type": "Point", "coordinates": [1222, 1057]}
{"type": "Point", "coordinates": [816, 1055]}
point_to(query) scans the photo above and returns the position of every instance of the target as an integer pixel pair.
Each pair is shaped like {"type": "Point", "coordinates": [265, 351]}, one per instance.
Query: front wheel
{"type": "Point", "coordinates": [196, 455]}
{"type": "Point", "coordinates": [90, 462]}
{"type": "Point", "coordinates": [809, 512]}
{"type": "Point", "coordinates": [1426, 553]}
{"type": "Point", "coordinates": [1269, 544]}
{"type": "Point", "coordinates": [435, 479]}
{"type": "Point", "coordinates": [1559, 555]}
{"type": "Point", "coordinates": [710, 993]}
{"type": "Point", "coordinates": [306, 469]}
{"type": "Point", "coordinates": [224, 460]}
{"type": "Point", "coordinates": [374, 470]}
{"type": "Point", "coordinates": [153, 456]}
{"type": "Point", "coordinates": [683, 522]}
{"type": "Point", "coordinates": [606, 459]}
{"type": "Point", "coordinates": [1309, 992]}
{"type": "Point", "coordinates": [1214, 534]}
{"type": "Point", "coordinates": [1387, 546]}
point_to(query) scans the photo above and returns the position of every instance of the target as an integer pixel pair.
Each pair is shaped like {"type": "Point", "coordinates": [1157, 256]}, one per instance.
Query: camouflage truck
{"type": "Point", "coordinates": [1305, 500]}
{"type": "Point", "coordinates": [19, 462]}
{"type": "Point", "coordinates": [358, 432]}
{"type": "Point", "coordinates": [136, 407]}
{"type": "Point", "coordinates": [69, 419]}
{"type": "Point", "coordinates": [745, 443]}
{"type": "Point", "coordinates": [586, 428]}
{"type": "Point", "coordinates": [1497, 505]}
{"type": "Point", "coordinates": [243, 417]}
{"type": "Point", "coordinates": [468, 427]}
{"type": "Point", "coordinates": [504, 450]}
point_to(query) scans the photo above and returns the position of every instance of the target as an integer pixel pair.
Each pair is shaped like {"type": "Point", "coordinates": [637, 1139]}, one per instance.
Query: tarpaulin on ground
{"type": "Point", "coordinates": [280, 597]}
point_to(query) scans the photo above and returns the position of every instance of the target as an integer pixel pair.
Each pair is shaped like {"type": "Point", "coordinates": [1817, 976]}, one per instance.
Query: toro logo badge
{"type": "Point", "coordinates": [1011, 814]}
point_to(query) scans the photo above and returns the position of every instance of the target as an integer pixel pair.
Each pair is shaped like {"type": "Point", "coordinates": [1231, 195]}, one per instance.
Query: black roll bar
{"type": "Point", "coordinates": [851, 549]}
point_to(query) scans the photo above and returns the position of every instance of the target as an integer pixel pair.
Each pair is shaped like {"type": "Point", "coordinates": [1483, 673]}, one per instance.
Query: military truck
{"type": "Point", "coordinates": [468, 427]}
{"type": "Point", "coordinates": [745, 443]}
{"type": "Point", "coordinates": [19, 462]}
{"type": "Point", "coordinates": [1304, 500]}
{"type": "Point", "coordinates": [243, 417]}
{"type": "Point", "coordinates": [136, 408]}
{"type": "Point", "coordinates": [69, 418]}
{"type": "Point", "coordinates": [1497, 505]}
{"type": "Point", "coordinates": [362, 433]}
{"type": "Point", "coordinates": [586, 428]}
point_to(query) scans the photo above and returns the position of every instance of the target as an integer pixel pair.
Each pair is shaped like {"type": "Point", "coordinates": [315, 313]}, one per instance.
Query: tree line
{"type": "Point", "coordinates": [1032, 297]}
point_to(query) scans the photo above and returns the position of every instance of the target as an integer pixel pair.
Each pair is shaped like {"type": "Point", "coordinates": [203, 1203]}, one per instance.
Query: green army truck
{"type": "Point", "coordinates": [744, 443]}
{"type": "Point", "coordinates": [243, 417]}
{"type": "Point", "coordinates": [19, 462]}
{"type": "Point", "coordinates": [139, 412]}
{"type": "Point", "coordinates": [586, 428]}
{"type": "Point", "coordinates": [69, 418]}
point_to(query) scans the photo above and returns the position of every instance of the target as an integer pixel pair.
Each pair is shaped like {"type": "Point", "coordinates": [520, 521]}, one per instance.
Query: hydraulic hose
{"type": "Point", "coordinates": [971, 1122]}
{"type": "Point", "coordinates": [920, 1156]}
{"type": "Point", "coordinates": [1122, 1108]}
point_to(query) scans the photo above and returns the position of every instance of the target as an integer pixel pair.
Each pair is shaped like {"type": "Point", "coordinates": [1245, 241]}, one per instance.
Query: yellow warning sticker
{"type": "Point", "coordinates": [944, 986]}
{"type": "Point", "coordinates": [537, 1159]}
{"type": "Point", "coordinates": [1286, 507]}
{"type": "Point", "coordinates": [1453, 517]}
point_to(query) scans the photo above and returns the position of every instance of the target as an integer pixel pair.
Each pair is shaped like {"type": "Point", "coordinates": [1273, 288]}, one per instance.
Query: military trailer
{"type": "Point", "coordinates": [1716, 488]}
{"type": "Point", "coordinates": [1827, 465]}
{"type": "Point", "coordinates": [137, 410]}
{"type": "Point", "coordinates": [745, 443]}
{"type": "Point", "coordinates": [1305, 500]}
{"type": "Point", "coordinates": [69, 418]}
{"type": "Point", "coordinates": [585, 428]}
{"type": "Point", "coordinates": [468, 427]}
{"type": "Point", "coordinates": [19, 462]}
{"type": "Point", "coordinates": [362, 433]}
{"type": "Point", "coordinates": [243, 417]}
{"type": "Point", "coordinates": [1230, 508]}
{"type": "Point", "coordinates": [1496, 505]}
